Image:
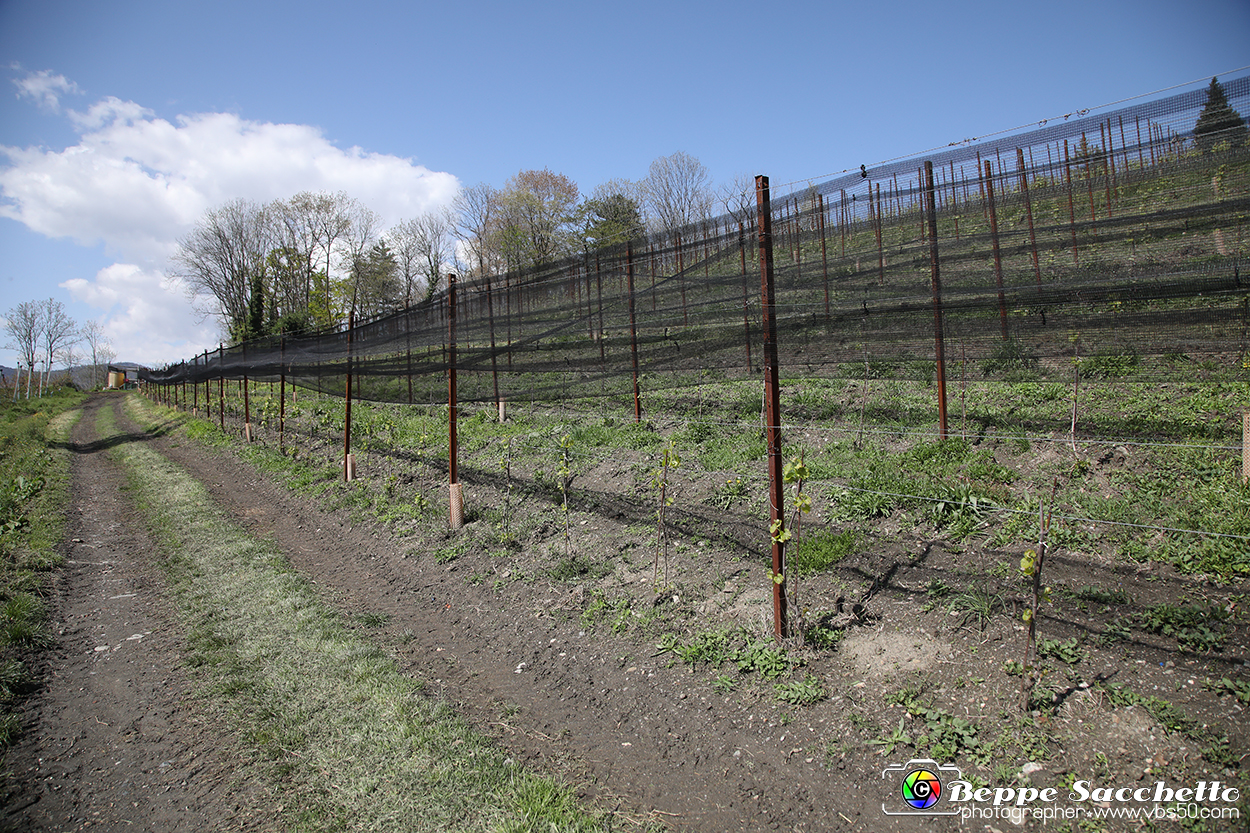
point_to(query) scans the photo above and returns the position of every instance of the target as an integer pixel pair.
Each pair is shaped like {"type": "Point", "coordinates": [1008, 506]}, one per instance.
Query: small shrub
{"type": "Point", "coordinates": [1011, 360]}
{"type": "Point", "coordinates": [802, 692]}
{"type": "Point", "coordinates": [819, 552]}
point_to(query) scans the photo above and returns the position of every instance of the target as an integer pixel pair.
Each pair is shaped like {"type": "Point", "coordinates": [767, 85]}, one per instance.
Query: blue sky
{"type": "Point", "coordinates": [122, 122]}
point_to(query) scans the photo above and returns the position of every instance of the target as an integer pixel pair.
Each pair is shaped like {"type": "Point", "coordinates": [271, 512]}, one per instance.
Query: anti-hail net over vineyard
{"type": "Point", "coordinates": [1114, 237]}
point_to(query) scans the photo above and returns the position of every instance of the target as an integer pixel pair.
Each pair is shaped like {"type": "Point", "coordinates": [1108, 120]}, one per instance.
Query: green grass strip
{"type": "Point", "coordinates": [328, 715]}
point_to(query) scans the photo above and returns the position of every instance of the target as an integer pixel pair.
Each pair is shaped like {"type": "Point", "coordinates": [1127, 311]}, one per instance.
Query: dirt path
{"type": "Point", "coordinates": [115, 741]}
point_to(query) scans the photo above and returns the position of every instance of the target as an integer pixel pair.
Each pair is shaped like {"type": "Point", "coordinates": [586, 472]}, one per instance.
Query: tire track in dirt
{"type": "Point", "coordinates": [114, 740]}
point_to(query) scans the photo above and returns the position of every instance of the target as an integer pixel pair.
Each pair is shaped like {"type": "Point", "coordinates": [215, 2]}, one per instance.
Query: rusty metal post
{"type": "Point", "coordinates": [282, 394]}
{"type": "Point", "coordinates": [633, 327]}
{"type": "Point", "coordinates": [998, 259]}
{"type": "Point", "coordinates": [772, 406]}
{"type": "Point", "coordinates": [247, 407]}
{"type": "Point", "coordinates": [408, 347]}
{"type": "Point", "coordinates": [1067, 169]}
{"type": "Point", "coordinates": [681, 278]}
{"type": "Point", "coordinates": [494, 364]}
{"type": "Point", "coordinates": [940, 349]}
{"type": "Point", "coordinates": [208, 390]}
{"type": "Point", "coordinates": [456, 494]}
{"type": "Point", "coordinates": [874, 209]}
{"type": "Point", "coordinates": [746, 304]}
{"type": "Point", "coordinates": [221, 385]}
{"type": "Point", "coordinates": [1028, 210]}
{"type": "Point", "coordinates": [349, 465]}
{"type": "Point", "coordinates": [824, 251]}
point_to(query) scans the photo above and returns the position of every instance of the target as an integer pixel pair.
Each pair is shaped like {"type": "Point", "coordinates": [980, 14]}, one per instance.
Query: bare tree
{"type": "Point", "coordinates": [105, 354]}
{"type": "Point", "coordinates": [432, 235]}
{"type": "Point", "coordinates": [60, 332]}
{"type": "Point", "coordinates": [738, 198]}
{"type": "Point", "coordinates": [678, 192]}
{"type": "Point", "coordinates": [361, 232]}
{"type": "Point", "coordinates": [25, 324]}
{"type": "Point", "coordinates": [477, 210]}
{"type": "Point", "coordinates": [93, 337]}
{"type": "Point", "coordinates": [220, 256]}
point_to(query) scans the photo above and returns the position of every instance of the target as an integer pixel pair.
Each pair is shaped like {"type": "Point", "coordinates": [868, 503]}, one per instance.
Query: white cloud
{"type": "Point", "coordinates": [147, 317]}
{"type": "Point", "coordinates": [44, 87]}
{"type": "Point", "coordinates": [137, 183]}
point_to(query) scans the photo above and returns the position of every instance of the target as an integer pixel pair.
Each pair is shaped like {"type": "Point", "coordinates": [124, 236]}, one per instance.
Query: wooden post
{"type": "Point", "coordinates": [772, 407]}
{"type": "Point", "coordinates": [939, 347]}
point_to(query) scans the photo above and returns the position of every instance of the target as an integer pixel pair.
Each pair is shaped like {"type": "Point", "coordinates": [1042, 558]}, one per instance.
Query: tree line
{"type": "Point", "coordinates": [44, 336]}
{"type": "Point", "coordinates": [312, 261]}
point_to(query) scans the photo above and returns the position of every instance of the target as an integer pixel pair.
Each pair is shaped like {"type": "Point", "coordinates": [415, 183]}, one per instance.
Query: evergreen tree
{"type": "Point", "coordinates": [1219, 122]}
{"type": "Point", "coordinates": [611, 220]}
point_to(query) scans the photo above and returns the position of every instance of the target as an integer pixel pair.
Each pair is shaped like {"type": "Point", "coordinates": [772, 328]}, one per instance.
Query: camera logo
{"type": "Point", "coordinates": [922, 789]}
{"type": "Point", "coordinates": [915, 788]}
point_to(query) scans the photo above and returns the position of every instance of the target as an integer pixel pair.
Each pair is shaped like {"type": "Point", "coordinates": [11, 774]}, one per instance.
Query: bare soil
{"type": "Point", "coordinates": [119, 740]}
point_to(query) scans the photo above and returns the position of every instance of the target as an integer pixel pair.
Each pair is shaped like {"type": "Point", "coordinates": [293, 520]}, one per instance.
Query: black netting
{"type": "Point", "coordinates": [1117, 239]}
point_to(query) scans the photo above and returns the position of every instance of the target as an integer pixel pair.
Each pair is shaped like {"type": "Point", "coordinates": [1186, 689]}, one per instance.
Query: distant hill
{"type": "Point", "coordinates": [80, 373]}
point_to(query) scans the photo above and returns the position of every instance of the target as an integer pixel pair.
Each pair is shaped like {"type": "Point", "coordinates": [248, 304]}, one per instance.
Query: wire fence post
{"type": "Point", "coordinates": [349, 464]}
{"type": "Point", "coordinates": [1028, 210]}
{"type": "Point", "coordinates": [746, 304]}
{"type": "Point", "coordinates": [772, 407]}
{"type": "Point", "coordinates": [221, 385]}
{"type": "Point", "coordinates": [998, 257]}
{"type": "Point", "coordinates": [939, 347]}
{"type": "Point", "coordinates": [247, 406]}
{"type": "Point", "coordinates": [494, 364]}
{"type": "Point", "coordinates": [455, 493]}
{"type": "Point", "coordinates": [633, 328]}
{"type": "Point", "coordinates": [282, 394]}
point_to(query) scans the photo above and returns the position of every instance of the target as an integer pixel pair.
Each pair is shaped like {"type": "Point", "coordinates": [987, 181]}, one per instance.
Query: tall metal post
{"type": "Point", "coordinates": [998, 258]}
{"type": "Point", "coordinates": [221, 385]}
{"type": "Point", "coordinates": [247, 406]}
{"type": "Point", "coordinates": [940, 349]}
{"type": "Point", "coordinates": [633, 328]}
{"type": "Point", "coordinates": [772, 406]}
{"type": "Point", "coordinates": [282, 395]}
{"type": "Point", "coordinates": [349, 467]}
{"type": "Point", "coordinates": [456, 494]}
